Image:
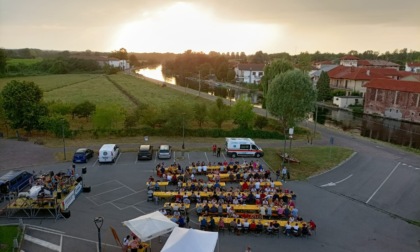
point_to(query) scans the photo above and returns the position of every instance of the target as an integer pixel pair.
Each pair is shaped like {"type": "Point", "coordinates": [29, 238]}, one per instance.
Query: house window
{"type": "Point", "coordinates": [390, 110]}
{"type": "Point", "coordinates": [397, 111]}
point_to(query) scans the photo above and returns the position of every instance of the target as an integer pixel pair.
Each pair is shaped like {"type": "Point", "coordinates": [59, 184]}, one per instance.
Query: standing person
{"type": "Point", "coordinates": [277, 174]}
{"type": "Point", "coordinates": [214, 148]}
{"type": "Point", "coordinates": [218, 151]}
{"type": "Point", "coordinates": [284, 173]}
{"type": "Point", "coordinates": [126, 241]}
{"type": "Point", "coordinates": [134, 244]}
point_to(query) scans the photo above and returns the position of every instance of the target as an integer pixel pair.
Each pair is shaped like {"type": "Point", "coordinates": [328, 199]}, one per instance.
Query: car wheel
{"type": "Point", "coordinates": [258, 155]}
{"type": "Point", "coordinates": [234, 155]}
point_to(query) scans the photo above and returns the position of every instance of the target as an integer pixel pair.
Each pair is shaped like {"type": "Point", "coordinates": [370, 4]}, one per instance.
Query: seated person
{"type": "Point", "coordinates": [295, 230]}
{"type": "Point", "coordinates": [305, 230]}
{"type": "Point", "coordinates": [288, 229]}
{"type": "Point", "coordinates": [232, 225]}
{"type": "Point", "coordinates": [213, 209]}
{"type": "Point", "coordinates": [253, 226]}
{"type": "Point", "coordinates": [203, 224]}
{"type": "Point", "coordinates": [259, 227]}
{"type": "Point", "coordinates": [181, 221]}
{"type": "Point", "coordinates": [212, 224]}
{"type": "Point", "coordinates": [221, 223]}
{"type": "Point", "coordinates": [186, 201]}
{"type": "Point", "coordinates": [199, 209]}
{"type": "Point", "coordinates": [270, 228]}
{"type": "Point", "coordinates": [246, 224]}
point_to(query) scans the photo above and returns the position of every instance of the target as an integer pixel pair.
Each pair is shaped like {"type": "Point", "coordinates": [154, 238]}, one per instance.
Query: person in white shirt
{"type": "Point", "coordinates": [199, 169]}
{"type": "Point", "coordinates": [257, 185]}
{"type": "Point", "coordinates": [205, 169]}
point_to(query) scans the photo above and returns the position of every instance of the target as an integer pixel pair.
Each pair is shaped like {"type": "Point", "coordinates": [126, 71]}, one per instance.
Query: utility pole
{"type": "Point", "coordinates": [199, 82]}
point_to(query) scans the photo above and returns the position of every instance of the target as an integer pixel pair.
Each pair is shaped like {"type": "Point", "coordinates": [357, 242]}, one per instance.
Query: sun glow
{"type": "Point", "coordinates": [184, 26]}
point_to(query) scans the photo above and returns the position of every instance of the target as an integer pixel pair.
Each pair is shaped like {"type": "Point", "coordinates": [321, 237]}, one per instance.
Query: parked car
{"type": "Point", "coordinates": [145, 152]}
{"type": "Point", "coordinates": [165, 152]}
{"type": "Point", "coordinates": [108, 153]}
{"type": "Point", "coordinates": [82, 155]}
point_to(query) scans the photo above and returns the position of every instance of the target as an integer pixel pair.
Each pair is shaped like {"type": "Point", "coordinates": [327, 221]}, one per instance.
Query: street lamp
{"type": "Point", "coordinates": [99, 221]}
{"type": "Point", "coordinates": [64, 142]}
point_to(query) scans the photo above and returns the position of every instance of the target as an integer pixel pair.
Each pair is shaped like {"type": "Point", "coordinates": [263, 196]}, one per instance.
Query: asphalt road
{"type": "Point", "coordinates": [362, 205]}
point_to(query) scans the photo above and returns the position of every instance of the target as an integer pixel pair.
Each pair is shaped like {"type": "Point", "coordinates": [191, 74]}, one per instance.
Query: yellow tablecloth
{"type": "Point", "coordinates": [264, 222]}
{"type": "Point", "coordinates": [187, 206]}
{"type": "Point", "coordinates": [276, 184]}
{"type": "Point", "coordinates": [209, 184]}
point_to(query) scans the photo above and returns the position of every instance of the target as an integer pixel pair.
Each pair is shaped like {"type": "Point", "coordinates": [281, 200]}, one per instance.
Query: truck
{"type": "Point", "coordinates": [236, 147]}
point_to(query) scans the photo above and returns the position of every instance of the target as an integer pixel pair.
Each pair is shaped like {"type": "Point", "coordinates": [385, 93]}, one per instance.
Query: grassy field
{"type": "Point", "coordinates": [52, 82]}
{"type": "Point", "coordinates": [7, 234]}
{"type": "Point", "coordinates": [23, 61]}
{"type": "Point", "coordinates": [313, 160]}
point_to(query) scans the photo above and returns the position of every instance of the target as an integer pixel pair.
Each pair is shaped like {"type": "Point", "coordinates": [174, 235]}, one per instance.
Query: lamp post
{"type": "Point", "coordinates": [99, 221]}
{"type": "Point", "coordinates": [64, 142]}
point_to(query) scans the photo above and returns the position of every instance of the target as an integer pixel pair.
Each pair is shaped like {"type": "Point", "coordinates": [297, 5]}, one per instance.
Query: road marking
{"type": "Point", "coordinates": [205, 153]}
{"type": "Point", "coordinates": [107, 191]}
{"type": "Point", "coordinates": [389, 175]}
{"type": "Point", "coordinates": [338, 182]}
{"type": "Point", "coordinates": [42, 243]}
{"type": "Point", "coordinates": [119, 155]}
{"type": "Point", "coordinates": [95, 163]}
{"type": "Point", "coordinates": [44, 229]}
{"type": "Point", "coordinates": [61, 243]}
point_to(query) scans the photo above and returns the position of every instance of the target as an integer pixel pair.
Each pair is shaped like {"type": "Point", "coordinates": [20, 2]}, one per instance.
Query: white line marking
{"type": "Point", "coordinates": [135, 162]}
{"type": "Point", "coordinates": [95, 163]}
{"type": "Point", "coordinates": [42, 243]}
{"type": "Point", "coordinates": [106, 192]}
{"type": "Point", "coordinates": [61, 243]}
{"type": "Point", "coordinates": [334, 184]}
{"type": "Point", "coordinates": [43, 229]}
{"type": "Point", "coordinates": [174, 156]}
{"type": "Point", "coordinates": [344, 179]}
{"type": "Point", "coordinates": [205, 153]}
{"type": "Point", "coordinates": [224, 157]}
{"type": "Point", "coordinates": [118, 158]}
{"type": "Point", "coordinates": [105, 183]}
{"type": "Point", "coordinates": [389, 175]}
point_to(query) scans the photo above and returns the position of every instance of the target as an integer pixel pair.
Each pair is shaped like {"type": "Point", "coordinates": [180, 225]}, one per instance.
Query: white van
{"type": "Point", "coordinates": [242, 147]}
{"type": "Point", "coordinates": [108, 153]}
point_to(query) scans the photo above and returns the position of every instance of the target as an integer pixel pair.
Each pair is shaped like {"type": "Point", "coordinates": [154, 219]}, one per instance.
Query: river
{"type": "Point", "coordinates": [214, 88]}
{"type": "Point", "coordinates": [387, 130]}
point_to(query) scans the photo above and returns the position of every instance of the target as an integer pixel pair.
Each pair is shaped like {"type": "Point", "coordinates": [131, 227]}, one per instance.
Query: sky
{"type": "Point", "coordinates": [248, 26]}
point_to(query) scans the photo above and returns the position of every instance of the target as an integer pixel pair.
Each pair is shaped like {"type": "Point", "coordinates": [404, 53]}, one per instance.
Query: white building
{"type": "Point", "coordinates": [346, 101]}
{"type": "Point", "coordinates": [249, 73]}
{"type": "Point", "coordinates": [413, 67]}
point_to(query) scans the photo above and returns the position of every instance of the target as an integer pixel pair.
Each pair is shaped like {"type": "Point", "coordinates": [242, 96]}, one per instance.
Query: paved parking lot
{"type": "Point", "coordinates": [346, 221]}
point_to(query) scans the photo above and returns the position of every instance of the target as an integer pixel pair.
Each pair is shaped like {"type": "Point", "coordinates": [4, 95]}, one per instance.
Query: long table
{"type": "Point", "coordinates": [266, 223]}
{"type": "Point", "coordinates": [242, 207]}
{"type": "Point", "coordinates": [276, 184]}
{"type": "Point", "coordinates": [209, 184]}
{"type": "Point", "coordinates": [204, 194]}
{"type": "Point", "coordinates": [171, 205]}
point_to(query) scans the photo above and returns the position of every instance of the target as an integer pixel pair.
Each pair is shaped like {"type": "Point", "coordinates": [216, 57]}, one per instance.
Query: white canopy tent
{"type": "Point", "coordinates": [190, 240]}
{"type": "Point", "coordinates": [150, 226]}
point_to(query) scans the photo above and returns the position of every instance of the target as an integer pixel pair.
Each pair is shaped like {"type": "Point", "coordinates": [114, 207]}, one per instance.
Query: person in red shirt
{"type": "Point", "coordinates": [253, 226]}
{"type": "Point", "coordinates": [214, 148]}
{"type": "Point", "coordinates": [245, 186]}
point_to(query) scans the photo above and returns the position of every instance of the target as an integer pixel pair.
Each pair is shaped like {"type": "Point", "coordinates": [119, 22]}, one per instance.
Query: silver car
{"type": "Point", "coordinates": [165, 152]}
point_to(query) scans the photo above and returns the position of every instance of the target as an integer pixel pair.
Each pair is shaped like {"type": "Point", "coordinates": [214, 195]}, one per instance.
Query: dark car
{"type": "Point", "coordinates": [82, 155]}
{"type": "Point", "coordinates": [14, 181]}
{"type": "Point", "coordinates": [145, 152]}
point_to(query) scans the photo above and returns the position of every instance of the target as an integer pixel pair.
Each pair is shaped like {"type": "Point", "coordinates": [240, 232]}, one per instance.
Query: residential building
{"type": "Point", "coordinates": [394, 99]}
{"type": "Point", "coordinates": [413, 67]}
{"type": "Point", "coordinates": [353, 61]}
{"type": "Point", "coordinates": [102, 61]}
{"type": "Point", "coordinates": [315, 74]}
{"type": "Point", "coordinates": [249, 73]}
{"type": "Point", "coordinates": [352, 79]}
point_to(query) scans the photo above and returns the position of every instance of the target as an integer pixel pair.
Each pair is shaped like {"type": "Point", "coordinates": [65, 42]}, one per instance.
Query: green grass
{"type": "Point", "coordinates": [7, 234]}
{"type": "Point", "coordinates": [313, 160]}
{"type": "Point", "coordinates": [23, 61]}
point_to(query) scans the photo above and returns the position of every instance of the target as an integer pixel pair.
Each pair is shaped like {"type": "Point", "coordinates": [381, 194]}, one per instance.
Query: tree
{"type": "Point", "coordinates": [108, 117]}
{"type": "Point", "coordinates": [323, 87]}
{"type": "Point", "coordinates": [259, 58]}
{"type": "Point", "coordinates": [219, 113]}
{"type": "Point", "coordinates": [84, 109]}
{"type": "Point", "coordinates": [200, 113]}
{"type": "Point", "coordinates": [133, 60]}
{"type": "Point", "coordinates": [290, 98]}
{"type": "Point", "coordinates": [242, 113]}
{"type": "Point", "coordinates": [261, 122]}
{"type": "Point", "coordinates": [271, 71]}
{"type": "Point", "coordinates": [304, 61]}
{"type": "Point", "coordinates": [23, 105]}
{"type": "Point", "coordinates": [3, 63]}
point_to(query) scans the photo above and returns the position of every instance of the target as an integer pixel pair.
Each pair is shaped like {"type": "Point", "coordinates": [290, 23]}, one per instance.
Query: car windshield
{"type": "Point", "coordinates": [80, 151]}
{"type": "Point", "coordinates": [164, 151]}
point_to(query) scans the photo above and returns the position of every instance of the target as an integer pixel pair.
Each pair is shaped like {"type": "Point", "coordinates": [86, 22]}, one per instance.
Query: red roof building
{"type": "Point", "coordinates": [394, 99]}
{"type": "Point", "coordinates": [352, 79]}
